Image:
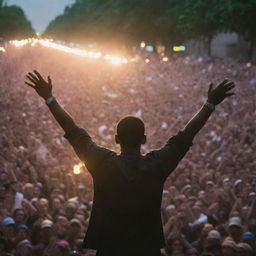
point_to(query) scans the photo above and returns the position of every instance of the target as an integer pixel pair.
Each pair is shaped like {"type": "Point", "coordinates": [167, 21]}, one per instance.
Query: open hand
{"type": "Point", "coordinates": [43, 88]}
{"type": "Point", "coordinates": [218, 94]}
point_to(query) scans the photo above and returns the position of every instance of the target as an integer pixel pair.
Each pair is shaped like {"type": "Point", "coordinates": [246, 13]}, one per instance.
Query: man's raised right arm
{"type": "Point", "coordinates": [44, 89]}
{"type": "Point", "coordinates": [78, 137]}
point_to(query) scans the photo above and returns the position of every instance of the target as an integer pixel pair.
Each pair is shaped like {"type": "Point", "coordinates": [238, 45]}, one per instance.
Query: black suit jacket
{"type": "Point", "coordinates": [127, 192]}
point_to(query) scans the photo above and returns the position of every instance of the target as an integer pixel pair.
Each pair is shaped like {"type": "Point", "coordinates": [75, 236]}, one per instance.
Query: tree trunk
{"type": "Point", "coordinates": [209, 46]}
{"type": "Point", "coordinates": [251, 49]}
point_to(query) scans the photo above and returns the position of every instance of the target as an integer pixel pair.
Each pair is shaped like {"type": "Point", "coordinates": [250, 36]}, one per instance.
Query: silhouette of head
{"type": "Point", "coordinates": [130, 132]}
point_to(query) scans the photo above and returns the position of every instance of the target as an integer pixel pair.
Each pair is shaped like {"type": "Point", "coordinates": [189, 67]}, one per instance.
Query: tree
{"type": "Point", "coordinates": [128, 22]}
{"type": "Point", "coordinates": [241, 19]}
{"type": "Point", "coordinates": [13, 23]}
{"type": "Point", "coordinates": [203, 19]}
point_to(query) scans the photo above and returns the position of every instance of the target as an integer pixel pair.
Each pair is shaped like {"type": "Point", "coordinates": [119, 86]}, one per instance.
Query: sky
{"type": "Point", "coordinates": [41, 12]}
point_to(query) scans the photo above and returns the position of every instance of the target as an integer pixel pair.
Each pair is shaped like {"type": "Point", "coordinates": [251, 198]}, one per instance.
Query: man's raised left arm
{"type": "Point", "coordinates": [215, 97]}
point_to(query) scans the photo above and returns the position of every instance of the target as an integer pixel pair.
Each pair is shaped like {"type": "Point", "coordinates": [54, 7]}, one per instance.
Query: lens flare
{"type": "Point", "coordinates": [124, 60]}
{"type": "Point", "coordinates": [77, 168]}
{"type": "Point", "coordinates": [180, 48]}
{"type": "Point", "coordinates": [62, 46]}
{"type": "Point", "coordinates": [142, 44]}
{"type": "Point", "coordinates": [115, 60]}
{"type": "Point", "coordinates": [48, 43]}
{"type": "Point", "coordinates": [19, 43]}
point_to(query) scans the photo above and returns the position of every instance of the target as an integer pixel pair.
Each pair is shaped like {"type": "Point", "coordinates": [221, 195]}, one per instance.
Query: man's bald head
{"type": "Point", "coordinates": [130, 131]}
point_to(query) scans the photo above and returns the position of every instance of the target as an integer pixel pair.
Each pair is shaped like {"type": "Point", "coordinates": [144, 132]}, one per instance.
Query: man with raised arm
{"type": "Point", "coordinates": [125, 218]}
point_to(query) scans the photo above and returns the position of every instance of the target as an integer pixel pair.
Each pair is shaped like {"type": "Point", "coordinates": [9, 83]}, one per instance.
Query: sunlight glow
{"type": "Point", "coordinates": [115, 60]}
{"type": "Point", "coordinates": [19, 43]}
{"type": "Point", "coordinates": [62, 46]}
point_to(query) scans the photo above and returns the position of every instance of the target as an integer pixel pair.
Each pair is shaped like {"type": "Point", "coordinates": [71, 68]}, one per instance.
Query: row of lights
{"type": "Point", "coordinates": [113, 59]}
{"type": "Point", "coordinates": [150, 48]}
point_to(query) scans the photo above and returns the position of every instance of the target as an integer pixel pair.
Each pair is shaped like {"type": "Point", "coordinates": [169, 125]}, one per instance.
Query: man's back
{"type": "Point", "coordinates": [127, 192]}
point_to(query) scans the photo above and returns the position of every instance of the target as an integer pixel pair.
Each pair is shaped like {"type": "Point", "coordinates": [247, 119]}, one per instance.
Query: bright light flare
{"type": "Point", "coordinates": [49, 43]}
{"type": "Point", "coordinates": [165, 59]}
{"type": "Point", "coordinates": [77, 168]}
{"type": "Point", "coordinates": [34, 42]}
{"type": "Point", "coordinates": [94, 55]}
{"type": "Point", "coordinates": [107, 57]}
{"type": "Point", "coordinates": [180, 48]}
{"type": "Point", "coordinates": [124, 60]}
{"type": "Point", "coordinates": [2, 49]}
{"type": "Point", "coordinates": [147, 60]}
{"type": "Point", "coordinates": [142, 44]}
{"type": "Point", "coordinates": [115, 60]}
{"type": "Point", "coordinates": [19, 43]}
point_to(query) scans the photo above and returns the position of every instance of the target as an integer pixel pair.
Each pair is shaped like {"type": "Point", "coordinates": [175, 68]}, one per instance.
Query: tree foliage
{"type": "Point", "coordinates": [13, 23]}
{"type": "Point", "coordinates": [128, 22]}
{"type": "Point", "coordinates": [242, 19]}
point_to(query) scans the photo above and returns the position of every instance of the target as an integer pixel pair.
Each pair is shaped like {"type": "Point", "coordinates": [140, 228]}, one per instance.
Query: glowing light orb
{"type": "Point", "coordinates": [124, 60]}
{"type": "Point", "coordinates": [165, 59]}
{"type": "Point", "coordinates": [142, 44]}
{"type": "Point", "coordinates": [77, 168]}
{"type": "Point", "coordinates": [147, 60]}
{"type": "Point", "coordinates": [115, 60]}
{"type": "Point", "coordinates": [97, 55]}
{"type": "Point", "coordinates": [180, 48]}
{"type": "Point", "coordinates": [2, 49]}
{"type": "Point", "coordinates": [107, 57]}
{"type": "Point", "coordinates": [149, 48]}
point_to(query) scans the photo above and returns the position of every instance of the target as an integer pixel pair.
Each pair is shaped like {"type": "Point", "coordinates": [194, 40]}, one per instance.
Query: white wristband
{"type": "Point", "coordinates": [209, 105]}
{"type": "Point", "coordinates": [49, 100]}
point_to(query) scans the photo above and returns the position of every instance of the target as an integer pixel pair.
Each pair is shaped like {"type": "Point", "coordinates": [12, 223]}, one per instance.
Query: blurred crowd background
{"type": "Point", "coordinates": [46, 194]}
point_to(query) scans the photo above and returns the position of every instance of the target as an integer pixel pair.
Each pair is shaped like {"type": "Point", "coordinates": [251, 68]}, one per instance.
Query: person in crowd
{"type": "Point", "coordinates": [235, 229]}
{"type": "Point", "coordinates": [45, 237]}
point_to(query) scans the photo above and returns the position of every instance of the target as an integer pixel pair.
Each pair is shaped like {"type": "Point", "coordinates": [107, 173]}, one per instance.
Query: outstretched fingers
{"type": "Point", "coordinates": [210, 87]}
{"type": "Point", "coordinates": [38, 75]}
{"type": "Point", "coordinates": [224, 82]}
{"type": "Point", "coordinates": [29, 84]}
{"type": "Point", "coordinates": [229, 86]}
{"type": "Point", "coordinates": [229, 94]}
{"type": "Point", "coordinates": [32, 79]}
{"type": "Point", "coordinates": [49, 80]}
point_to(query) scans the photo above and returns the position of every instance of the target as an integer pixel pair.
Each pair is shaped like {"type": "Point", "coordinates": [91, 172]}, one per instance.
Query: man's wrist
{"type": "Point", "coordinates": [49, 100]}
{"type": "Point", "coordinates": [209, 105]}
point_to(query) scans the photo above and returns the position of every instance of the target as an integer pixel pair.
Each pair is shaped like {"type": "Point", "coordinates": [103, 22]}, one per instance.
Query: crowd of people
{"type": "Point", "coordinates": [46, 194]}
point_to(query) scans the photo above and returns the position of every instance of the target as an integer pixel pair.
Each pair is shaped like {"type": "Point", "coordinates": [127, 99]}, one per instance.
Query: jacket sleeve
{"type": "Point", "coordinates": [90, 153]}
{"type": "Point", "coordinates": [171, 154]}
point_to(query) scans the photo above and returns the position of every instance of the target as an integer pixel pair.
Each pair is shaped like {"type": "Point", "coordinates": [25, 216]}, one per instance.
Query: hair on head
{"type": "Point", "coordinates": [130, 131]}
